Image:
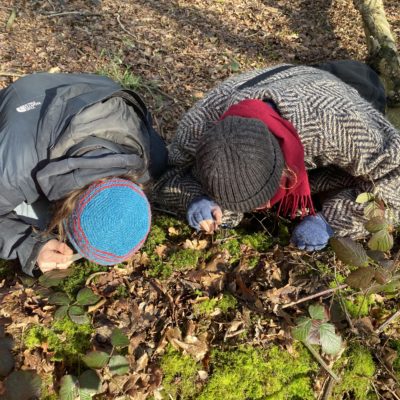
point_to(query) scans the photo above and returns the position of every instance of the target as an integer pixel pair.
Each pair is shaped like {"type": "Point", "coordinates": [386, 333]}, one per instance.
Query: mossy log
{"type": "Point", "coordinates": [383, 54]}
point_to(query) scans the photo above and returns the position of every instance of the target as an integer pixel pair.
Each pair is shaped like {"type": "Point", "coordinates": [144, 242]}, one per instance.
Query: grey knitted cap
{"type": "Point", "coordinates": [239, 163]}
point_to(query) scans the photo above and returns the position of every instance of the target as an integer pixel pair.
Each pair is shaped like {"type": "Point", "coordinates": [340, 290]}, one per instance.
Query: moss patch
{"type": "Point", "coordinates": [180, 374]}
{"type": "Point", "coordinates": [358, 369]}
{"type": "Point", "coordinates": [243, 373]}
{"type": "Point", "coordinates": [66, 339]}
{"type": "Point", "coordinates": [208, 306]}
{"type": "Point", "coordinates": [359, 305]}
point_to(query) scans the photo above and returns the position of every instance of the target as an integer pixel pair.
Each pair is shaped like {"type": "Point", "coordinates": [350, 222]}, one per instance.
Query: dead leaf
{"type": "Point", "coordinates": [195, 244]}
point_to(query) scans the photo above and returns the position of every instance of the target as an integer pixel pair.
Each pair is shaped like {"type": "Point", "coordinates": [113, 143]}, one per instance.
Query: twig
{"type": "Point", "coordinates": [321, 361]}
{"type": "Point", "coordinates": [5, 73]}
{"type": "Point", "coordinates": [381, 328]}
{"type": "Point", "coordinates": [62, 14]}
{"type": "Point", "coordinates": [313, 296]}
{"type": "Point", "coordinates": [123, 27]}
{"type": "Point", "coordinates": [328, 389]}
{"type": "Point", "coordinates": [392, 375]}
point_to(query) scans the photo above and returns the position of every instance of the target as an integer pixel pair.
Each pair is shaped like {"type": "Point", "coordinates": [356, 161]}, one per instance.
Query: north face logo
{"type": "Point", "coordinates": [28, 106]}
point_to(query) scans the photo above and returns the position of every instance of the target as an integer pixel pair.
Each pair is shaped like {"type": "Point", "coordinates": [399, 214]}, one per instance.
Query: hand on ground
{"type": "Point", "coordinates": [204, 214]}
{"type": "Point", "coordinates": [54, 255]}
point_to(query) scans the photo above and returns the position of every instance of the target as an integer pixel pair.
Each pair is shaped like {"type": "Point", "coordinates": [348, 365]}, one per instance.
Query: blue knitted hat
{"type": "Point", "coordinates": [110, 221]}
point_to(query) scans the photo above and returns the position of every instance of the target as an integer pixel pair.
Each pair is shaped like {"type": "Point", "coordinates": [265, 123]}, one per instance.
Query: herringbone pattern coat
{"type": "Point", "coordinates": [349, 147]}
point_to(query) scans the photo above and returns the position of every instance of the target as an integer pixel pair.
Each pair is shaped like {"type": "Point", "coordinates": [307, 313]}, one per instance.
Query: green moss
{"type": "Point", "coordinates": [122, 291]}
{"type": "Point", "coordinates": [243, 373]}
{"type": "Point", "coordinates": [356, 374]}
{"type": "Point", "coordinates": [158, 268]}
{"type": "Point", "coordinates": [258, 241]}
{"type": "Point", "coordinates": [233, 248]}
{"type": "Point", "coordinates": [180, 373]}
{"type": "Point", "coordinates": [181, 228]}
{"type": "Point", "coordinates": [76, 281]}
{"type": "Point", "coordinates": [249, 373]}
{"type": "Point", "coordinates": [359, 306]}
{"type": "Point", "coordinates": [184, 259]}
{"type": "Point", "coordinates": [208, 306]}
{"type": "Point", "coordinates": [156, 237]}
{"type": "Point", "coordinates": [66, 339]}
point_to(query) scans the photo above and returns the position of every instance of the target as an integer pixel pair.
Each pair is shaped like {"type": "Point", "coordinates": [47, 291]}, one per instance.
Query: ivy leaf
{"type": "Point", "coordinates": [69, 388]}
{"type": "Point", "coordinates": [235, 66]}
{"type": "Point", "coordinates": [89, 383]}
{"type": "Point", "coordinates": [361, 278]}
{"type": "Point", "coordinates": [331, 342]}
{"type": "Point", "coordinates": [96, 359]}
{"type": "Point", "coordinates": [61, 312]}
{"type": "Point", "coordinates": [365, 197]}
{"type": "Point", "coordinates": [54, 277]}
{"type": "Point", "coordinates": [317, 311]}
{"type": "Point", "coordinates": [382, 240]}
{"type": "Point", "coordinates": [59, 299]}
{"type": "Point", "coordinates": [376, 224]}
{"type": "Point", "coordinates": [78, 315]}
{"type": "Point", "coordinates": [118, 365]}
{"type": "Point", "coordinates": [118, 338]}
{"type": "Point", "coordinates": [302, 329]}
{"type": "Point", "coordinates": [86, 297]}
{"type": "Point", "coordinates": [22, 385]}
{"type": "Point", "coordinates": [349, 251]}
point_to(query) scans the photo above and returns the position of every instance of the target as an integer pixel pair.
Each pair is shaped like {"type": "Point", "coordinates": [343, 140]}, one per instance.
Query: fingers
{"type": "Point", "coordinates": [217, 214]}
{"type": "Point", "coordinates": [207, 225]}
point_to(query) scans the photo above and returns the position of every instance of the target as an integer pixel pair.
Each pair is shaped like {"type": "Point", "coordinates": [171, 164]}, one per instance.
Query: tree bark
{"type": "Point", "coordinates": [383, 54]}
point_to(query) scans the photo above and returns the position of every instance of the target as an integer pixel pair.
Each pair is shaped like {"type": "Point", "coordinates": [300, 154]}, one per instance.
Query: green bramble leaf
{"type": "Point", "coordinates": [374, 209]}
{"type": "Point", "coordinates": [361, 278]}
{"type": "Point", "coordinates": [89, 384]}
{"type": "Point", "coordinates": [349, 251]}
{"type": "Point", "coordinates": [69, 388]}
{"type": "Point", "coordinates": [331, 342]}
{"type": "Point", "coordinates": [59, 299]}
{"type": "Point", "coordinates": [54, 277]}
{"type": "Point", "coordinates": [78, 315]}
{"type": "Point", "coordinates": [302, 330]}
{"type": "Point", "coordinates": [118, 338]}
{"type": "Point", "coordinates": [365, 197]}
{"type": "Point", "coordinates": [61, 312]}
{"type": "Point", "coordinates": [86, 297]}
{"type": "Point", "coordinates": [22, 385]}
{"type": "Point", "coordinates": [118, 365]}
{"type": "Point", "coordinates": [377, 224]}
{"type": "Point", "coordinates": [317, 311]}
{"type": "Point", "coordinates": [96, 359]}
{"type": "Point", "coordinates": [382, 241]}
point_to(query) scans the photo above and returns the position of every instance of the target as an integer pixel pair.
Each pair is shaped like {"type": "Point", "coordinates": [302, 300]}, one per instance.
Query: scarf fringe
{"type": "Point", "coordinates": [291, 203]}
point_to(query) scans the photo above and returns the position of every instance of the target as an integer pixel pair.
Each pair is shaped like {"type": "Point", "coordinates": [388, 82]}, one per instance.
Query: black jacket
{"type": "Point", "coordinates": [60, 132]}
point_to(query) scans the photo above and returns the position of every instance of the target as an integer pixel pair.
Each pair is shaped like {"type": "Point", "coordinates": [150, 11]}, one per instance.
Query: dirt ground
{"type": "Point", "coordinates": [172, 52]}
{"type": "Point", "coordinates": [179, 49]}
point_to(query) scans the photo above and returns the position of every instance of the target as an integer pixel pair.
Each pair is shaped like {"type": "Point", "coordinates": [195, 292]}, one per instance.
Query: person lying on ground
{"type": "Point", "coordinates": [273, 138]}
{"type": "Point", "coordinates": [76, 151]}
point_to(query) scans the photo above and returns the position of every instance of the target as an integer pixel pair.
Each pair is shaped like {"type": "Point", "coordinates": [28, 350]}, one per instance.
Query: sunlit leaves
{"type": "Point", "coordinates": [349, 251]}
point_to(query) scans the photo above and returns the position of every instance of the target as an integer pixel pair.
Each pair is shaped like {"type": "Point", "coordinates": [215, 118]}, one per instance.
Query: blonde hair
{"type": "Point", "coordinates": [63, 208]}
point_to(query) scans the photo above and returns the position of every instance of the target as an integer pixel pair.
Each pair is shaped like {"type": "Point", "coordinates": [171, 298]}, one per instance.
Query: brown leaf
{"type": "Point", "coordinates": [361, 278]}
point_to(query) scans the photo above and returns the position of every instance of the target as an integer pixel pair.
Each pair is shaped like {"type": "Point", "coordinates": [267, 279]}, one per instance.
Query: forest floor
{"type": "Point", "coordinates": [192, 316]}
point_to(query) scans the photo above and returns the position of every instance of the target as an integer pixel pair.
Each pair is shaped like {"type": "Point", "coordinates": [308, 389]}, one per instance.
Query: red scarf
{"type": "Point", "coordinates": [294, 192]}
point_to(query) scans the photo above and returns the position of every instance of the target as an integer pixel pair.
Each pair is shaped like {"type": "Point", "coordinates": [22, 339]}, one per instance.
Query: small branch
{"type": "Point", "coordinates": [328, 389]}
{"type": "Point", "coordinates": [165, 211]}
{"type": "Point", "coordinates": [381, 328]}
{"type": "Point", "coordinates": [5, 73]}
{"type": "Point", "coordinates": [64, 13]}
{"type": "Point", "coordinates": [321, 361]}
{"type": "Point", "coordinates": [123, 27]}
{"type": "Point", "coordinates": [313, 296]}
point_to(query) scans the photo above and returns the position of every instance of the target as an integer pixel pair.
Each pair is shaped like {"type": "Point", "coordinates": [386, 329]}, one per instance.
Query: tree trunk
{"type": "Point", "coordinates": [383, 54]}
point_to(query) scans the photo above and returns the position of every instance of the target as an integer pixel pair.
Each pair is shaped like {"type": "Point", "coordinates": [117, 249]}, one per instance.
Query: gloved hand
{"type": "Point", "coordinates": [204, 214]}
{"type": "Point", "coordinates": [312, 233]}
